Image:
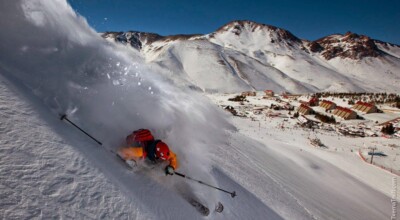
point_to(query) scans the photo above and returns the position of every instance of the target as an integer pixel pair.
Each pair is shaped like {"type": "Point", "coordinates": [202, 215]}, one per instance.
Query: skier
{"type": "Point", "coordinates": [141, 145]}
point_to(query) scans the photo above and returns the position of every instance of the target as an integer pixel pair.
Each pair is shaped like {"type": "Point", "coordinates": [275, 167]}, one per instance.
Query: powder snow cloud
{"type": "Point", "coordinates": [56, 55]}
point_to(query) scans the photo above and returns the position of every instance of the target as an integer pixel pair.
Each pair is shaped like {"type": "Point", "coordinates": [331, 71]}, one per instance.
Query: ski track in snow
{"type": "Point", "coordinates": [271, 192]}
{"type": "Point", "coordinates": [312, 184]}
{"type": "Point", "coordinates": [260, 167]}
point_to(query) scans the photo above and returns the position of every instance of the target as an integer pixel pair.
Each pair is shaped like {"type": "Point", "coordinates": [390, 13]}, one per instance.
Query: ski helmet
{"type": "Point", "coordinates": [162, 151]}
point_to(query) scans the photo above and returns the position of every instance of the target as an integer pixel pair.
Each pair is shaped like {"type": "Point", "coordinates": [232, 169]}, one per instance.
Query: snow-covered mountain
{"type": "Point", "coordinates": [244, 55]}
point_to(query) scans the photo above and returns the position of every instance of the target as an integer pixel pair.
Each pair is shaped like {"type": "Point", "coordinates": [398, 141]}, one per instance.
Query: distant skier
{"type": "Point", "coordinates": [141, 145]}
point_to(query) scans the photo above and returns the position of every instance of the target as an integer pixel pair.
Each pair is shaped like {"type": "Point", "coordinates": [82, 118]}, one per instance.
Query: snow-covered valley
{"type": "Point", "coordinates": [53, 63]}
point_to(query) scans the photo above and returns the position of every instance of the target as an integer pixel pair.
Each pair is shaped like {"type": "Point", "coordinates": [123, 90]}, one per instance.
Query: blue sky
{"type": "Point", "coordinates": [306, 19]}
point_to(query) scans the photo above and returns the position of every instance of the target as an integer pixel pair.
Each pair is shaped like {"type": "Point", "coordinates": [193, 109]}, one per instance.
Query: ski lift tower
{"type": "Point", "coordinates": [373, 153]}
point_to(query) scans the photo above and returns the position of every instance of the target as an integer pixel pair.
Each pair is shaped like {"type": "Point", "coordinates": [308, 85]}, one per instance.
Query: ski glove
{"type": "Point", "coordinates": [169, 170]}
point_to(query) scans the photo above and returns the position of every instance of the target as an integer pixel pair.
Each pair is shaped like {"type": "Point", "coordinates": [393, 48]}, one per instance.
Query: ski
{"type": "Point", "coordinates": [130, 164]}
{"type": "Point", "coordinates": [202, 209]}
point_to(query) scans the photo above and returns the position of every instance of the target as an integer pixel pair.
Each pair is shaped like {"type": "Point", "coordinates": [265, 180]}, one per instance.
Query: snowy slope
{"type": "Point", "coordinates": [43, 175]}
{"type": "Point", "coordinates": [240, 72]}
{"type": "Point", "coordinates": [244, 55]}
{"type": "Point", "coordinates": [270, 183]}
{"type": "Point", "coordinates": [57, 64]}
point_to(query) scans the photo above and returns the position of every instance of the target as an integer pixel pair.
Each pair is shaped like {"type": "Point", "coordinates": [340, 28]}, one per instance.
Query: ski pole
{"type": "Point", "coordinates": [233, 194]}
{"type": "Point", "coordinates": [64, 117]}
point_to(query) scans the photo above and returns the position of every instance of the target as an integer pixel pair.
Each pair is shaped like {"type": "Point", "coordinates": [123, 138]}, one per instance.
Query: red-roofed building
{"type": "Point", "coordinates": [269, 93]}
{"type": "Point", "coordinates": [313, 101]}
{"type": "Point", "coordinates": [328, 105]}
{"type": "Point", "coordinates": [304, 109]}
{"type": "Point", "coordinates": [249, 93]}
{"type": "Point", "coordinates": [345, 113]}
{"type": "Point", "coordinates": [365, 107]}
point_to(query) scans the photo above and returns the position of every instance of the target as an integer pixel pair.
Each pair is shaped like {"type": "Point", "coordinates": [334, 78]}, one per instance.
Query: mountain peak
{"type": "Point", "coordinates": [238, 26]}
{"type": "Point", "coordinates": [350, 45]}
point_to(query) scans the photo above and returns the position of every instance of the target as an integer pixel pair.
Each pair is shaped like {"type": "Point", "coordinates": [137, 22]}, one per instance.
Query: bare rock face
{"type": "Point", "coordinates": [133, 38]}
{"type": "Point", "coordinates": [349, 45]}
{"type": "Point", "coordinates": [315, 47]}
{"type": "Point", "coordinates": [138, 39]}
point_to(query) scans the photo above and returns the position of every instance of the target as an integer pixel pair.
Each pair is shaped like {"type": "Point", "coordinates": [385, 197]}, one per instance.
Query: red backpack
{"type": "Point", "coordinates": [141, 135]}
